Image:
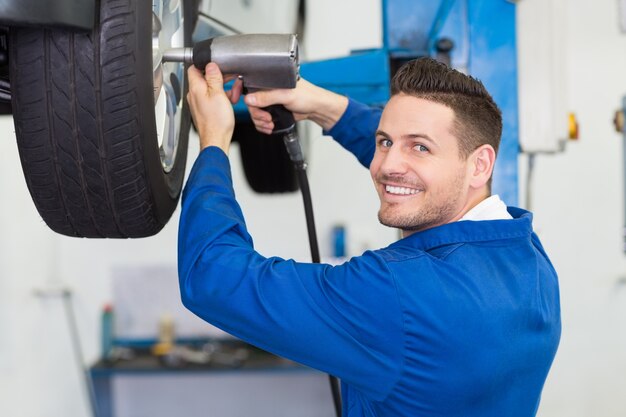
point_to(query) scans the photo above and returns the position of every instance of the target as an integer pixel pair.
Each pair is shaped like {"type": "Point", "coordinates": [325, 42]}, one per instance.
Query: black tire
{"type": "Point", "coordinates": [265, 161]}
{"type": "Point", "coordinates": [83, 106]}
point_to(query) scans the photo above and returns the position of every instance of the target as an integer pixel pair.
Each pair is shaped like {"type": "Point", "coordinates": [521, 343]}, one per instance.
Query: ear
{"type": "Point", "coordinates": [481, 163]}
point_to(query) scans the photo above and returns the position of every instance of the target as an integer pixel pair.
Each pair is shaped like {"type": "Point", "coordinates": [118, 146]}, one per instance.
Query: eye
{"type": "Point", "coordinates": [385, 143]}
{"type": "Point", "coordinates": [421, 148]}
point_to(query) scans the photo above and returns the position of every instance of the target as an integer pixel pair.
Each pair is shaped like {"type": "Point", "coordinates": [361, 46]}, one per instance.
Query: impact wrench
{"type": "Point", "coordinates": [264, 61]}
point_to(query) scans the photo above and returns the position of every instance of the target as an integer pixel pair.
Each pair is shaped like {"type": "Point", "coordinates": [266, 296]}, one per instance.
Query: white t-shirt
{"type": "Point", "coordinates": [491, 208]}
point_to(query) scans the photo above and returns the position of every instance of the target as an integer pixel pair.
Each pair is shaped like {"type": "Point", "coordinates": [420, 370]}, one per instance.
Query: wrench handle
{"type": "Point", "coordinates": [283, 119]}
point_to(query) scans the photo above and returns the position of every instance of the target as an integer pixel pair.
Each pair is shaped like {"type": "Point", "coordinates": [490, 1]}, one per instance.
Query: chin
{"type": "Point", "coordinates": [397, 222]}
{"type": "Point", "coordinates": [407, 222]}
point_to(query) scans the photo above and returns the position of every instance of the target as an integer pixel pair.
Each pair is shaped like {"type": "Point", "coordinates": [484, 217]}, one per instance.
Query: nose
{"type": "Point", "coordinates": [393, 162]}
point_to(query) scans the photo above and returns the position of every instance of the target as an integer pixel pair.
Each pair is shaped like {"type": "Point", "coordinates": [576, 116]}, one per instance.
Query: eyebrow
{"type": "Point", "coordinates": [409, 136]}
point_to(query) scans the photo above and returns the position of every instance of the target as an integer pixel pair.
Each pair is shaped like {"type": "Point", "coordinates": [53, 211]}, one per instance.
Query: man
{"type": "Point", "coordinates": [458, 318]}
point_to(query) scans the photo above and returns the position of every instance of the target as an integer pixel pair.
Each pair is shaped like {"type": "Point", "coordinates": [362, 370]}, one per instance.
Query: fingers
{"type": "Point", "coordinates": [260, 114]}
{"type": "Point", "coordinates": [214, 79]}
{"type": "Point", "coordinates": [235, 92]}
{"type": "Point", "coordinates": [256, 101]}
{"type": "Point", "coordinates": [262, 120]}
{"type": "Point", "coordinates": [267, 98]}
{"type": "Point", "coordinates": [197, 89]}
{"type": "Point", "coordinates": [196, 79]}
{"type": "Point", "coordinates": [210, 108]}
{"type": "Point", "coordinates": [208, 84]}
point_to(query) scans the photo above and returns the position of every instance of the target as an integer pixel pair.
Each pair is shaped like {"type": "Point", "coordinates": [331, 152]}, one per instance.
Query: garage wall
{"type": "Point", "coordinates": [578, 204]}
{"type": "Point", "coordinates": [576, 198]}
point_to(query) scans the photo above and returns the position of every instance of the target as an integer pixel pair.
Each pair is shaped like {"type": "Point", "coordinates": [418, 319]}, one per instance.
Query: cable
{"type": "Point", "coordinates": [285, 125]}
{"type": "Point", "coordinates": [303, 182]}
{"type": "Point", "coordinates": [292, 143]}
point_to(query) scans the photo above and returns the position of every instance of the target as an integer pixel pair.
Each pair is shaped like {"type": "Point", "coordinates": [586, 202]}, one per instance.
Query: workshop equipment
{"type": "Point", "coordinates": [264, 61]}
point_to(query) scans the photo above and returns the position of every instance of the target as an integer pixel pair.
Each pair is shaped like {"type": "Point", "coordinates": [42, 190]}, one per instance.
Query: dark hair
{"type": "Point", "coordinates": [478, 119]}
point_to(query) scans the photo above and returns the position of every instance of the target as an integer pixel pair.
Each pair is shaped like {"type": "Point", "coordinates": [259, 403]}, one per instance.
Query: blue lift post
{"type": "Point", "coordinates": [483, 32]}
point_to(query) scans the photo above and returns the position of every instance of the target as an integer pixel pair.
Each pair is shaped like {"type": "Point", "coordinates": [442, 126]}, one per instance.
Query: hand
{"type": "Point", "coordinates": [211, 107]}
{"type": "Point", "coordinates": [306, 101]}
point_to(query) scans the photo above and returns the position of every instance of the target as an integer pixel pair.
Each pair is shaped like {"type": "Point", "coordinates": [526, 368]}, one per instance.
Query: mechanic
{"type": "Point", "coordinates": [460, 317]}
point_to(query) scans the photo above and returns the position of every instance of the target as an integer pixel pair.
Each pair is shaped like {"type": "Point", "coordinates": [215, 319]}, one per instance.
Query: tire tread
{"type": "Point", "coordinates": [78, 128]}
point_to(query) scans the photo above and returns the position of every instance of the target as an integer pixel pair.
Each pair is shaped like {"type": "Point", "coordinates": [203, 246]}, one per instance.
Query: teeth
{"type": "Point", "coordinates": [400, 190]}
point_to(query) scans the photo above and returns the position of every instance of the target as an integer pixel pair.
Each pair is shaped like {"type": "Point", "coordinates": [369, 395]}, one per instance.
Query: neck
{"type": "Point", "coordinates": [473, 200]}
{"type": "Point", "coordinates": [475, 196]}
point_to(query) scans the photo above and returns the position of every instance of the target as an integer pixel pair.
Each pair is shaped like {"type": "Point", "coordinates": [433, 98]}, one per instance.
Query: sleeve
{"type": "Point", "coordinates": [356, 130]}
{"type": "Point", "coordinates": [344, 320]}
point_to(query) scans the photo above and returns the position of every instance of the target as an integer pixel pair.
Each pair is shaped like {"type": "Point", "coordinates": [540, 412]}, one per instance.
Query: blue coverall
{"type": "Point", "coordinates": [458, 320]}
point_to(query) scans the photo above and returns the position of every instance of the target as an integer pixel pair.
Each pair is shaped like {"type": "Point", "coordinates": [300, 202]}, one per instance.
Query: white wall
{"type": "Point", "coordinates": [577, 200]}
{"type": "Point", "coordinates": [579, 214]}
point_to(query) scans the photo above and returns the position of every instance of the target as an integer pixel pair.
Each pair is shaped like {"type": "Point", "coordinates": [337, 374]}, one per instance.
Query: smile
{"type": "Point", "coordinates": [400, 190]}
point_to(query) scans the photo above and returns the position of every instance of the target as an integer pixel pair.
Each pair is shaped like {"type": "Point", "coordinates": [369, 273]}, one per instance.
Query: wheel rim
{"type": "Point", "coordinates": [168, 78]}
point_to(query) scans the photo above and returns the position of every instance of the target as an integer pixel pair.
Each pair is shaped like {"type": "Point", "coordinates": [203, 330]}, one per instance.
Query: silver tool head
{"type": "Point", "coordinates": [264, 61]}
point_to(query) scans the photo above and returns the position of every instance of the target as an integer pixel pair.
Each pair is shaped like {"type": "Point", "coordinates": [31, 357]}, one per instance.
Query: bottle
{"type": "Point", "coordinates": [107, 331]}
{"type": "Point", "coordinates": [339, 241]}
{"type": "Point", "coordinates": [165, 349]}
{"type": "Point", "coordinates": [166, 329]}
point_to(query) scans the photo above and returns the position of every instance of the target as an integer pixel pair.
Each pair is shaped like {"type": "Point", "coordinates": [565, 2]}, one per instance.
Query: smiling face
{"type": "Point", "coordinates": [418, 171]}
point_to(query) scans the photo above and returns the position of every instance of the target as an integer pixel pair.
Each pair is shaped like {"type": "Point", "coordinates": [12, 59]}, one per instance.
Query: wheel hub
{"type": "Point", "coordinates": [168, 78]}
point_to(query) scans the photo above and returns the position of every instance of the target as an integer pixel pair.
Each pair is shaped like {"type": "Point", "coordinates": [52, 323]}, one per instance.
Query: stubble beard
{"type": "Point", "coordinates": [438, 209]}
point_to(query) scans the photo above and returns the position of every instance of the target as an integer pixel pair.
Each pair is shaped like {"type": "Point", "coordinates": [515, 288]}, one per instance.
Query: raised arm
{"type": "Point", "coordinates": [306, 101]}
{"type": "Point", "coordinates": [343, 320]}
{"type": "Point", "coordinates": [350, 123]}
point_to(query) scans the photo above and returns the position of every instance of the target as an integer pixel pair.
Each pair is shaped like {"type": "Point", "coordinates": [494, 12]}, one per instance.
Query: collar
{"type": "Point", "coordinates": [471, 231]}
{"type": "Point", "coordinates": [491, 208]}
